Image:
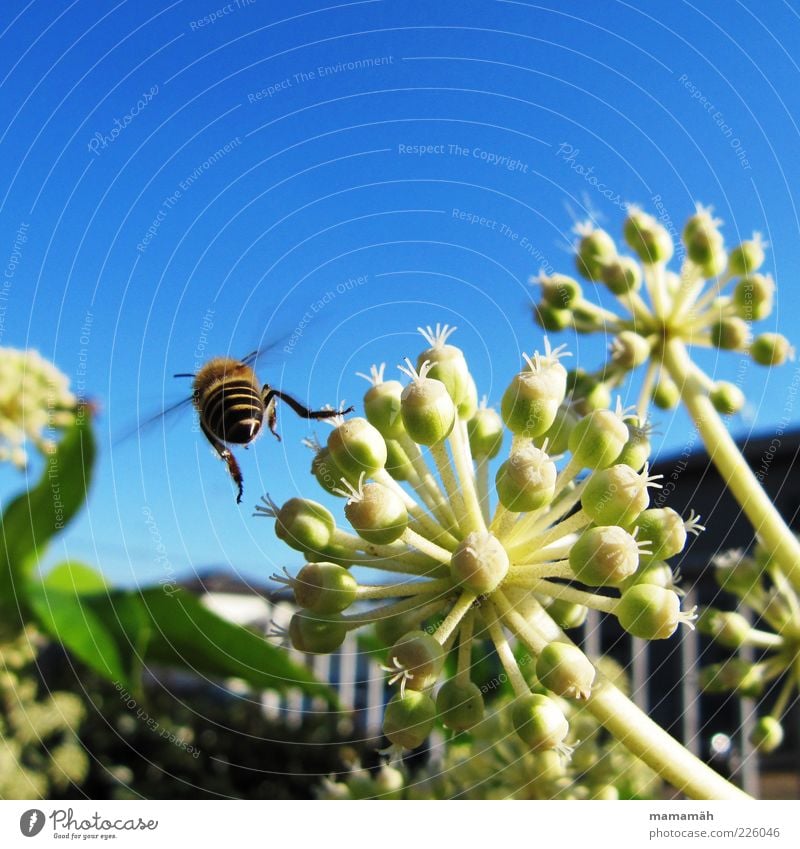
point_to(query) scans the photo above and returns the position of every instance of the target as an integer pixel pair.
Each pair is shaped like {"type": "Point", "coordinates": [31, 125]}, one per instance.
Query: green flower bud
{"type": "Point", "coordinates": [324, 588]}
{"type": "Point", "coordinates": [730, 334]}
{"type": "Point", "coordinates": [559, 290]}
{"type": "Point", "coordinates": [753, 297]}
{"type": "Point", "coordinates": [647, 238]}
{"type": "Point", "coordinates": [587, 318]}
{"type": "Point", "coordinates": [468, 405]}
{"type": "Point", "coordinates": [397, 462]}
{"type": "Point", "coordinates": [485, 430]}
{"type": "Point", "coordinates": [479, 563]}
{"type": "Point", "coordinates": [608, 793]}
{"type": "Point", "coordinates": [636, 451]}
{"type": "Point", "coordinates": [316, 633]}
{"type": "Point", "coordinates": [539, 721]}
{"type": "Point", "coordinates": [657, 573]}
{"type": "Point", "coordinates": [447, 362]}
{"type": "Point", "coordinates": [588, 393]}
{"type": "Point", "coordinates": [377, 514]}
{"type": "Point", "coordinates": [771, 349]}
{"type": "Point", "coordinates": [527, 480]}
{"type": "Point", "coordinates": [767, 735]}
{"type": "Point", "coordinates": [726, 398]}
{"type": "Point", "coordinates": [459, 704]}
{"type": "Point", "coordinates": [409, 718]}
{"type": "Point", "coordinates": [597, 439]}
{"type": "Point", "coordinates": [604, 555]}
{"type": "Point", "coordinates": [428, 410]}
{"type": "Point", "coordinates": [595, 249]}
{"type": "Point", "coordinates": [328, 474]}
{"type": "Point", "coordinates": [558, 435]}
{"type": "Point", "coordinates": [389, 629]}
{"type": "Point", "coordinates": [615, 496]}
{"type": "Point", "coordinates": [304, 525]}
{"type": "Point", "coordinates": [565, 670]}
{"type": "Point", "coordinates": [729, 629]}
{"type": "Point", "coordinates": [356, 446]}
{"type": "Point", "coordinates": [420, 657]}
{"type": "Point", "coordinates": [389, 783]}
{"type": "Point", "coordinates": [622, 274]}
{"type": "Point", "coordinates": [738, 574]}
{"type": "Point", "coordinates": [666, 393]}
{"type": "Point", "coordinates": [649, 612]}
{"type": "Point", "coordinates": [717, 263]}
{"type": "Point", "coordinates": [735, 674]}
{"type": "Point", "coordinates": [382, 408]}
{"type": "Point", "coordinates": [747, 257]}
{"type": "Point", "coordinates": [630, 350]}
{"type": "Point", "coordinates": [333, 553]}
{"type": "Point", "coordinates": [530, 404]}
{"type": "Point", "coordinates": [361, 785]}
{"type": "Point", "coordinates": [664, 532]}
{"type": "Point", "coordinates": [552, 318]}
{"type": "Point", "coordinates": [567, 614]}
{"type": "Point", "coordinates": [702, 237]}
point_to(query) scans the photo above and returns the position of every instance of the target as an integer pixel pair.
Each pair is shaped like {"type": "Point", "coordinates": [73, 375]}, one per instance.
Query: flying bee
{"type": "Point", "coordinates": [232, 407]}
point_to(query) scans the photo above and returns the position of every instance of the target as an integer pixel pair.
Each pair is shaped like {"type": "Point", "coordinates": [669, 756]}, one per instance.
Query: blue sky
{"type": "Point", "coordinates": [195, 178]}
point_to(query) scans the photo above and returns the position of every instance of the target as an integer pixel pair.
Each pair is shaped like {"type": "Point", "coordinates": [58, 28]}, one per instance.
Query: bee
{"type": "Point", "coordinates": [232, 407]}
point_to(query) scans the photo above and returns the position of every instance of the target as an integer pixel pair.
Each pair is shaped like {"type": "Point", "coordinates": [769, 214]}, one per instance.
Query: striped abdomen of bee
{"type": "Point", "coordinates": [229, 401]}
{"type": "Point", "coordinates": [232, 406]}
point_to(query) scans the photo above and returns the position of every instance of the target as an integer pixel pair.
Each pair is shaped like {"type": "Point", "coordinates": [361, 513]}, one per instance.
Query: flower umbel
{"type": "Point", "coordinates": [474, 565]}
{"type": "Point", "coordinates": [34, 402]}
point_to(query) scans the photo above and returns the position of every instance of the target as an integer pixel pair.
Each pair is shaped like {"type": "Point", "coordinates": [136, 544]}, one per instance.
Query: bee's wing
{"type": "Point", "coordinates": [167, 413]}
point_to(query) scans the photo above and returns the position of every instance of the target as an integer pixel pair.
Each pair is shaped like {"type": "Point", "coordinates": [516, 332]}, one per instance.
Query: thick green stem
{"type": "Point", "coordinates": [628, 723]}
{"type": "Point", "coordinates": [650, 742]}
{"type": "Point", "coordinates": [767, 522]}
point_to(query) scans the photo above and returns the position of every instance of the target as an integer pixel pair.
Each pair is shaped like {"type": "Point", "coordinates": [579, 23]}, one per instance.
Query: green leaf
{"type": "Point", "coordinates": [35, 516]}
{"type": "Point", "coordinates": [67, 617]}
{"type": "Point", "coordinates": [72, 576]}
{"type": "Point", "coordinates": [118, 631]}
{"type": "Point", "coordinates": [187, 634]}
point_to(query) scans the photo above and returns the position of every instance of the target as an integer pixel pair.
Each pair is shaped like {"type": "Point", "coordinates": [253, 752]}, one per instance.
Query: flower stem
{"type": "Point", "coordinates": [442, 510]}
{"type": "Point", "coordinates": [425, 546]}
{"type": "Point", "coordinates": [458, 611]}
{"type": "Point", "coordinates": [628, 723]}
{"type": "Point", "coordinates": [422, 519]}
{"type": "Point", "coordinates": [732, 466]}
{"type": "Point", "coordinates": [410, 588]}
{"type": "Point", "coordinates": [598, 602]}
{"type": "Point", "coordinates": [465, 633]}
{"type": "Point", "coordinates": [482, 482]}
{"type": "Point", "coordinates": [466, 475]}
{"type": "Point", "coordinates": [504, 652]}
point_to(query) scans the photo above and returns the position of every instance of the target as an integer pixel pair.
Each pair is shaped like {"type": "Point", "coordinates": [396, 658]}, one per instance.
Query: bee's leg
{"type": "Point", "coordinates": [271, 412]}
{"type": "Point", "coordinates": [227, 455]}
{"type": "Point", "coordinates": [303, 412]}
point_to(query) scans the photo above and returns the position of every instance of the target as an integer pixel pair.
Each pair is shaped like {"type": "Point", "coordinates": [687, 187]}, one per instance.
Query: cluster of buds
{"type": "Point", "coordinates": [41, 754]}
{"type": "Point", "coordinates": [34, 401]}
{"type": "Point", "coordinates": [493, 762]}
{"type": "Point", "coordinates": [711, 302]}
{"type": "Point", "coordinates": [514, 566]}
{"type": "Point", "coordinates": [774, 605]}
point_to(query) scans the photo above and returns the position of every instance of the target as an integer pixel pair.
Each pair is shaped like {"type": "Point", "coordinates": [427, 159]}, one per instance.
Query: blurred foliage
{"type": "Point", "coordinates": [492, 762]}
{"type": "Point", "coordinates": [41, 754]}
{"type": "Point", "coordinates": [114, 632]}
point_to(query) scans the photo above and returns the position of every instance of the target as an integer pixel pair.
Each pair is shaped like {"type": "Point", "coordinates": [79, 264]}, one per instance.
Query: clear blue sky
{"type": "Point", "coordinates": [167, 160]}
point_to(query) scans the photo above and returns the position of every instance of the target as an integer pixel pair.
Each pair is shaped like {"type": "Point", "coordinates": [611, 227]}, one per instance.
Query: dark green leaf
{"type": "Point", "coordinates": [35, 516]}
